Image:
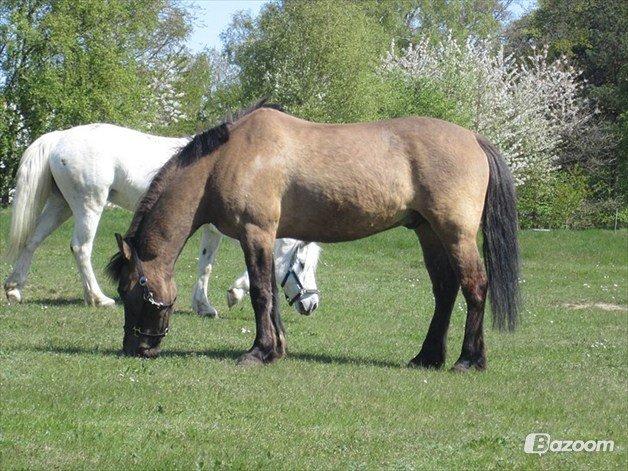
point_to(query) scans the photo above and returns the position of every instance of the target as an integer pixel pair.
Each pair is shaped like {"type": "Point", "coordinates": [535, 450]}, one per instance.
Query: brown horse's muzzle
{"type": "Point", "coordinates": [141, 346]}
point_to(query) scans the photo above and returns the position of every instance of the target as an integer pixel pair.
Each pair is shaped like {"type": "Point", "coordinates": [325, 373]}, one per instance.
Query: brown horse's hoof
{"type": "Point", "coordinates": [249, 360]}
{"type": "Point", "coordinates": [427, 360]}
{"type": "Point", "coordinates": [462, 366]}
{"type": "Point", "coordinates": [257, 357]}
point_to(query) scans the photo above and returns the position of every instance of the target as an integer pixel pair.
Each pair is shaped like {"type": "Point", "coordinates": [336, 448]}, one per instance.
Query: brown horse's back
{"type": "Point", "coordinates": [342, 182]}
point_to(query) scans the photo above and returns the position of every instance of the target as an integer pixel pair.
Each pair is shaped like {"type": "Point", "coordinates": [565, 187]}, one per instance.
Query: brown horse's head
{"type": "Point", "coordinates": [148, 300]}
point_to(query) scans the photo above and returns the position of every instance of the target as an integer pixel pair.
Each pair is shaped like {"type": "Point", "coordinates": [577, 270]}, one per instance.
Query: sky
{"type": "Point", "coordinates": [213, 16]}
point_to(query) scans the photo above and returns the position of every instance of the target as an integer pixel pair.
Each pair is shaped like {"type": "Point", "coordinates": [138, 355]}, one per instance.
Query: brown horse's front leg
{"type": "Point", "coordinates": [269, 344]}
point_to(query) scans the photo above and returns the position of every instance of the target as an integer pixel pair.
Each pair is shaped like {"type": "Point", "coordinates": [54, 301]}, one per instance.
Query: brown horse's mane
{"type": "Point", "coordinates": [200, 145]}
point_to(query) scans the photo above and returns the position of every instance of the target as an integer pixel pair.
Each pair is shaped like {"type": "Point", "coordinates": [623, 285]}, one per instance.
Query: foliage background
{"type": "Point", "coordinates": [64, 63]}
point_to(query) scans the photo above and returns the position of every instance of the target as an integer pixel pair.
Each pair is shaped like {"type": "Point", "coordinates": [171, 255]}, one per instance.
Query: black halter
{"type": "Point", "coordinates": [302, 290]}
{"type": "Point", "coordinates": [148, 297]}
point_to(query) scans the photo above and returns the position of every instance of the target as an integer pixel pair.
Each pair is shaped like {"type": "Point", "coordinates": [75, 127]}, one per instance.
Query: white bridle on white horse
{"type": "Point", "coordinates": [76, 172]}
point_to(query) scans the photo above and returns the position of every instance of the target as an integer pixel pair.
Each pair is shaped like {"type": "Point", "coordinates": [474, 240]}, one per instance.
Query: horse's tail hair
{"type": "Point", "coordinates": [33, 186]}
{"type": "Point", "coordinates": [500, 247]}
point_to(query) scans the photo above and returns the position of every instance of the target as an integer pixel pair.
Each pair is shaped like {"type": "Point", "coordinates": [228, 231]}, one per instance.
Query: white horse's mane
{"type": "Point", "coordinates": [312, 256]}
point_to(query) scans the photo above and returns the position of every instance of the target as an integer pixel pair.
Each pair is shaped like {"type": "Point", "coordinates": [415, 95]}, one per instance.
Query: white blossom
{"type": "Point", "coordinates": [528, 108]}
{"type": "Point", "coordinates": [165, 100]}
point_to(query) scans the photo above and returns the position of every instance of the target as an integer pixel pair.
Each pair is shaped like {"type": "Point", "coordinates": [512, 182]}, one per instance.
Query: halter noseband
{"type": "Point", "coordinates": [137, 332]}
{"type": "Point", "coordinates": [148, 296]}
{"type": "Point", "coordinates": [302, 290]}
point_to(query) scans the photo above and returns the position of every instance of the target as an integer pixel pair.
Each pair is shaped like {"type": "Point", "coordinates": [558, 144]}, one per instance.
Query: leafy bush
{"type": "Point", "coordinates": [420, 98]}
{"type": "Point", "coordinates": [319, 59]}
{"type": "Point", "coordinates": [554, 201]}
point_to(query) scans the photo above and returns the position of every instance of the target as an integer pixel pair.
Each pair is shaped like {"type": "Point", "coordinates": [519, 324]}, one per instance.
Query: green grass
{"type": "Point", "coordinates": [342, 398]}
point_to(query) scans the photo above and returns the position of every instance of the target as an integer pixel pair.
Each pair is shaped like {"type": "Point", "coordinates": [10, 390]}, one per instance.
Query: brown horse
{"type": "Point", "coordinates": [267, 174]}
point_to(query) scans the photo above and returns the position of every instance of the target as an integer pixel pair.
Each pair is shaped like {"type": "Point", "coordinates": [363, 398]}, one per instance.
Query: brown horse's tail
{"type": "Point", "coordinates": [501, 248]}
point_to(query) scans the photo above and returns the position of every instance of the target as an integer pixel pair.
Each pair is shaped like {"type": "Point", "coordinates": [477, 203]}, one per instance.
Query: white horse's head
{"type": "Point", "coordinates": [296, 263]}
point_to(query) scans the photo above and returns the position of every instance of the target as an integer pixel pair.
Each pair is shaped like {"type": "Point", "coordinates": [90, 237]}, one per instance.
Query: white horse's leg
{"type": "Point", "coordinates": [87, 217]}
{"type": "Point", "coordinates": [239, 289]}
{"type": "Point", "coordinates": [209, 245]}
{"type": "Point", "coordinates": [241, 286]}
{"type": "Point", "coordinates": [55, 212]}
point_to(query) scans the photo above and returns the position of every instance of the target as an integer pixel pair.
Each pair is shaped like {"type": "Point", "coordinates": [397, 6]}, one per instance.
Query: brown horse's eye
{"type": "Point", "coordinates": [143, 281]}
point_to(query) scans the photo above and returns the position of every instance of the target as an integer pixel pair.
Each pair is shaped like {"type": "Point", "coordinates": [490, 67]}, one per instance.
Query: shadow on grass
{"type": "Point", "coordinates": [55, 302]}
{"type": "Point", "coordinates": [81, 303]}
{"type": "Point", "coordinates": [217, 354]}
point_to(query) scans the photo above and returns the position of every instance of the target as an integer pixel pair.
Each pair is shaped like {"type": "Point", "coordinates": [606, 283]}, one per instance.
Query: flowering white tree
{"type": "Point", "coordinates": [527, 108]}
{"type": "Point", "coordinates": [164, 103]}
{"type": "Point", "coordinates": [14, 138]}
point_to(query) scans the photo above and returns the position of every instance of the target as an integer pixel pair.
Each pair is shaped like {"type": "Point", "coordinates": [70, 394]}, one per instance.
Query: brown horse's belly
{"type": "Point", "coordinates": [339, 230]}
{"type": "Point", "coordinates": [338, 217]}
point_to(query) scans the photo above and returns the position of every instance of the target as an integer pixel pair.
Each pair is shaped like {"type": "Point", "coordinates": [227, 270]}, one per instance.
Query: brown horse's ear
{"type": "Point", "coordinates": [125, 248]}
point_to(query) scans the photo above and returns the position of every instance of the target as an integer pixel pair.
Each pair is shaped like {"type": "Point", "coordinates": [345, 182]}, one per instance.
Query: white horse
{"type": "Point", "coordinates": [77, 171]}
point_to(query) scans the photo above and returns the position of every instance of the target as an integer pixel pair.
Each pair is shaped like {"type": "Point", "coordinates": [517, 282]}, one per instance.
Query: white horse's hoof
{"type": "Point", "coordinates": [101, 302]}
{"type": "Point", "coordinates": [14, 296]}
{"type": "Point", "coordinates": [204, 309]}
{"type": "Point", "coordinates": [106, 302]}
{"type": "Point", "coordinates": [234, 296]}
{"type": "Point", "coordinates": [208, 311]}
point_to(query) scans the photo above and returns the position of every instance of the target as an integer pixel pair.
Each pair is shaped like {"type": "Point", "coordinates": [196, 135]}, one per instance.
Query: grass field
{"type": "Point", "coordinates": [342, 398]}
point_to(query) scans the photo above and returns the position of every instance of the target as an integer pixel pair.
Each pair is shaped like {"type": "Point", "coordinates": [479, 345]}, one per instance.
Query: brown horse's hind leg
{"type": "Point", "coordinates": [465, 257]}
{"type": "Point", "coordinates": [269, 344]}
{"type": "Point", "coordinates": [445, 288]}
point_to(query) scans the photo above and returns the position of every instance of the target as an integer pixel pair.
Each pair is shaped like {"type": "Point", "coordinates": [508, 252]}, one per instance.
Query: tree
{"type": "Point", "coordinates": [319, 58]}
{"type": "Point", "coordinates": [459, 18]}
{"type": "Point", "coordinates": [415, 20]}
{"type": "Point", "coordinates": [529, 109]}
{"type": "Point", "coordinates": [590, 33]}
{"type": "Point", "coordinates": [224, 92]}
{"type": "Point", "coordinates": [70, 62]}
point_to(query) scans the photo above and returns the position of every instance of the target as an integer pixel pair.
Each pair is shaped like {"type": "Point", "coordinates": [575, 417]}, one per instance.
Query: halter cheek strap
{"type": "Point", "coordinates": [149, 297]}
{"type": "Point", "coordinates": [302, 290]}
